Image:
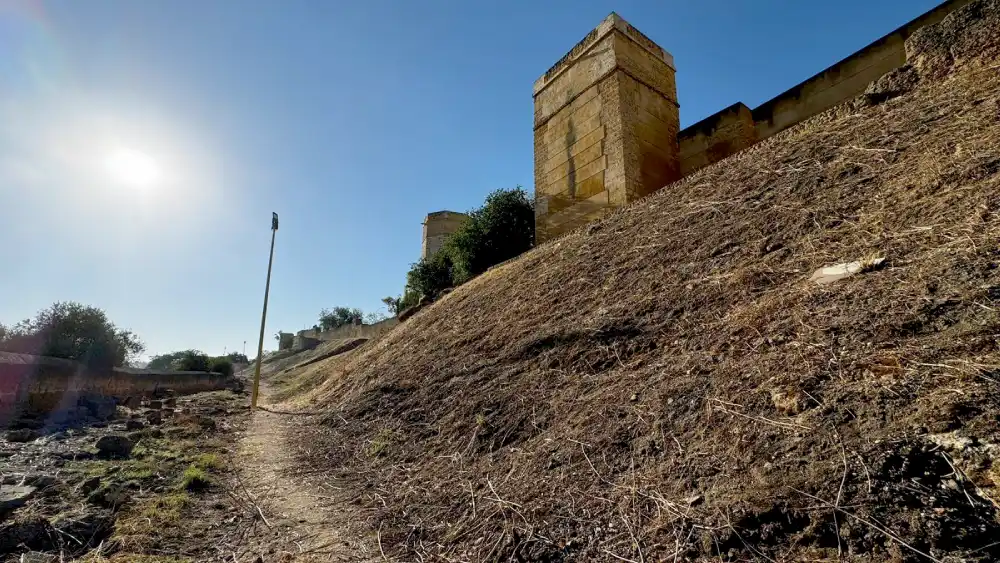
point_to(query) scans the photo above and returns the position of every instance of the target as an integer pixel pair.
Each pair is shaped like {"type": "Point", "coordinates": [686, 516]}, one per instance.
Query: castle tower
{"type": "Point", "coordinates": [437, 227]}
{"type": "Point", "coordinates": [606, 124]}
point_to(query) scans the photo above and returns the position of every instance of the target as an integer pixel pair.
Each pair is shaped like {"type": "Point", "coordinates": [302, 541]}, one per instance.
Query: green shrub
{"type": "Point", "coordinates": [195, 479]}
{"type": "Point", "coordinates": [192, 360]}
{"type": "Point", "coordinates": [222, 365]}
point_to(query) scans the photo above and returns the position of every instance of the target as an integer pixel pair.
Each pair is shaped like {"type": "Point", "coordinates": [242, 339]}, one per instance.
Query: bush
{"type": "Point", "coordinates": [429, 276]}
{"type": "Point", "coordinates": [222, 365]}
{"type": "Point", "coordinates": [195, 479]}
{"type": "Point", "coordinates": [192, 360]}
{"type": "Point", "coordinates": [337, 317]}
{"type": "Point", "coordinates": [73, 331]}
{"type": "Point", "coordinates": [503, 228]}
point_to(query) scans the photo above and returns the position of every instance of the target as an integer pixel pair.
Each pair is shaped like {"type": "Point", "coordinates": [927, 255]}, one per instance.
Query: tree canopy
{"type": "Point", "coordinates": [73, 331]}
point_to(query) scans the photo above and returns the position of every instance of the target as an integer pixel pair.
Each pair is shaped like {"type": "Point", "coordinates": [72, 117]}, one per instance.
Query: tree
{"type": "Point", "coordinates": [221, 364]}
{"type": "Point", "coordinates": [77, 332]}
{"type": "Point", "coordinates": [430, 276]}
{"type": "Point", "coordinates": [192, 360]}
{"type": "Point", "coordinates": [391, 303]}
{"type": "Point", "coordinates": [337, 317]}
{"type": "Point", "coordinates": [503, 228]}
{"type": "Point", "coordinates": [237, 358]}
{"type": "Point", "coordinates": [165, 362]}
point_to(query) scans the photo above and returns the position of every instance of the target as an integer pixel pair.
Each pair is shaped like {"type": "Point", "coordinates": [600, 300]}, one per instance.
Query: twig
{"type": "Point", "coordinates": [789, 425]}
{"type": "Point", "coordinates": [378, 536]}
{"type": "Point", "coordinates": [836, 504]}
{"type": "Point", "coordinates": [619, 557]}
{"type": "Point", "coordinates": [877, 527]}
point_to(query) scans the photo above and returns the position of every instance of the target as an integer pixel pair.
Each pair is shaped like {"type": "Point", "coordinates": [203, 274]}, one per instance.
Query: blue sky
{"type": "Point", "coordinates": [352, 120]}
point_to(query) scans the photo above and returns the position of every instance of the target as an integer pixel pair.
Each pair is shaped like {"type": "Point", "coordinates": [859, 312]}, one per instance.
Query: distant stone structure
{"type": "Point", "coordinates": [606, 124]}
{"type": "Point", "coordinates": [285, 340]}
{"type": "Point", "coordinates": [437, 226]}
{"type": "Point", "coordinates": [607, 119]}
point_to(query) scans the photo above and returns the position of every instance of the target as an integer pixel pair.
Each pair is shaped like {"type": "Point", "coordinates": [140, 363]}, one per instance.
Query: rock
{"type": "Point", "coordinates": [75, 456]}
{"type": "Point", "coordinates": [206, 423]}
{"type": "Point", "coordinates": [110, 496]}
{"type": "Point", "coordinates": [38, 557]}
{"type": "Point", "coordinates": [134, 425]}
{"type": "Point", "coordinates": [788, 401]}
{"type": "Point", "coordinates": [154, 417]}
{"type": "Point", "coordinates": [132, 403]}
{"type": "Point", "coordinates": [838, 272]}
{"type": "Point", "coordinates": [22, 435]}
{"type": "Point", "coordinates": [100, 407]}
{"type": "Point", "coordinates": [114, 446]}
{"type": "Point", "coordinates": [157, 405]}
{"type": "Point", "coordinates": [30, 533]}
{"type": "Point", "coordinates": [13, 497]}
{"type": "Point", "coordinates": [88, 486]}
{"type": "Point", "coordinates": [170, 402]}
{"type": "Point", "coordinates": [42, 482]}
{"type": "Point", "coordinates": [27, 422]}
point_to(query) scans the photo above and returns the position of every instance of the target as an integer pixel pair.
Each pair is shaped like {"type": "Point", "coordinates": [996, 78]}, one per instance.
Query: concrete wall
{"type": "Point", "coordinates": [606, 126]}
{"type": "Point", "coordinates": [437, 227]}
{"type": "Point", "coordinates": [46, 384]}
{"type": "Point", "coordinates": [716, 137]}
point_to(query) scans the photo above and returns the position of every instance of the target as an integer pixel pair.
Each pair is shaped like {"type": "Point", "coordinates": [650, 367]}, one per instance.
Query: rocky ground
{"type": "Point", "coordinates": [149, 481]}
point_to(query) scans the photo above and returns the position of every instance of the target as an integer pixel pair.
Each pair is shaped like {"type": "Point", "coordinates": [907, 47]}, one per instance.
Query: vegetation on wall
{"type": "Point", "coordinates": [76, 332]}
{"type": "Point", "coordinates": [195, 360]}
{"type": "Point", "coordinates": [337, 317]}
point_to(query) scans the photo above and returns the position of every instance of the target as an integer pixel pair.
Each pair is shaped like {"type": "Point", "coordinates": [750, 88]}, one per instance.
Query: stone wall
{"type": "Point", "coordinates": [350, 331]}
{"type": "Point", "coordinates": [606, 126]}
{"type": "Point", "coordinates": [844, 80]}
{"type": "Point", "coordinates": [716, 137]}
{"type": "Point", "coordinates": [437, 227]}
{"type": "Point", "coordinates": [46, 384]}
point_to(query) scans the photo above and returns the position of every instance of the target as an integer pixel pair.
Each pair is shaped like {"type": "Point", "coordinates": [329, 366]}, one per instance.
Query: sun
{"type": "Point", "coordinates": [133, 168]}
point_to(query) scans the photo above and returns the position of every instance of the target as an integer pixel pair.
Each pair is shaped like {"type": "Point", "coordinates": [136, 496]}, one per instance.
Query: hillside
{"type": "Point", "coordinates": [667, 384]}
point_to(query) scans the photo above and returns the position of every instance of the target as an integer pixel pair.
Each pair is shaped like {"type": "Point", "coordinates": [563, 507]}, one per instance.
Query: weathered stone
{"type": "Point", "coordinates": [114, 446]}
{"type": "Point", "coordinates": [89, 485]}
{"type": "Point", "coordinates": [38, 557]}
{"type": "Point", "coordinates": [154, 417]}
{"type": "Point", "coordinates": [110, 496]}
{"type": "Point", "coordinates": [134, 425]}
{"type": "Point", "coordinates": [170, 402]}
{"type": "Point", "coordinates": [22, 435]}
{"type": "Point", "coordinates": [156, 404]}
{"type": "Point", "coordinates": [132, 403]}
{"type": "Point", "coordinates": [100, 407]}
{"type": "Point", "coordinates": [13, 497]}
{"type": "Point", "coordinates": [30, 533]}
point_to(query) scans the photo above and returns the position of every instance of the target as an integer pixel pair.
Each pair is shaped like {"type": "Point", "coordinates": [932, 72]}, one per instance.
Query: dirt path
{"type": "Point", "coordinates": [301, 519]}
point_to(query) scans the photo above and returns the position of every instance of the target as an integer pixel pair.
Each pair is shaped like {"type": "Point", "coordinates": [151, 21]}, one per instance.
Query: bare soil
{"type": "Point", "coordinates": [667, 384]}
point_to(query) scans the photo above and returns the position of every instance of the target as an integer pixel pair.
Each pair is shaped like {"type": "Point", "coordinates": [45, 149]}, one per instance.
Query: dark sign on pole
{"type": "Point", "coordinates": [274, 221]}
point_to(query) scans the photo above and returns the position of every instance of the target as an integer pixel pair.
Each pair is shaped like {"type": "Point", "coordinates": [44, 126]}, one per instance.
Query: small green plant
{"type": "Point", "coordinates": [208, 462]}
{"type": "Point", "coordinates": [381, 442]}
{"type": "Point", "coordinates": [480, 420]}
{"type": "Point", "coordinates": [195, 479]}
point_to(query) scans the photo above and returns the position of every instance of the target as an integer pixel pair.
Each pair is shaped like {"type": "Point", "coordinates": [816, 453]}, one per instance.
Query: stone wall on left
{"type": "Point", "coordinates": [46, 384]}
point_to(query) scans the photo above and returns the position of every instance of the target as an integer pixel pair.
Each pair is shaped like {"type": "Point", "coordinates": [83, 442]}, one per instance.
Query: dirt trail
{"type": "Point", "coordinates": [301, 518]}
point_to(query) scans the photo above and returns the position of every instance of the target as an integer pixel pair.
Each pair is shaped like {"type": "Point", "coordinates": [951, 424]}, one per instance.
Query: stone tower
{"type": "Point", "coordinates": [606, 124]}
{"type": "Point", "coordinates": [437, 226]}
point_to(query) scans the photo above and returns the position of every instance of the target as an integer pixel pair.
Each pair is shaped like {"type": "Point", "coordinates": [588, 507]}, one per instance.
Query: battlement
{"type": "Point", "coordinates": [607, 123]}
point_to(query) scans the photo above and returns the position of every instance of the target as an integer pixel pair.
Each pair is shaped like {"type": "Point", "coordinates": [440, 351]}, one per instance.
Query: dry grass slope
{"type": "Point", "coordinates": [666, 384]}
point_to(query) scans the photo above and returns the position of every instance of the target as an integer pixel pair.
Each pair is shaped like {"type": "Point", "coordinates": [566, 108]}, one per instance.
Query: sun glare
{"type": "Point", "coordinates": [133, 168]}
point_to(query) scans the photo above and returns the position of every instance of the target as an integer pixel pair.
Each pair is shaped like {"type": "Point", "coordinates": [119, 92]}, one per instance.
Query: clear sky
{"type": "Point", "coordinates": [352, 120]}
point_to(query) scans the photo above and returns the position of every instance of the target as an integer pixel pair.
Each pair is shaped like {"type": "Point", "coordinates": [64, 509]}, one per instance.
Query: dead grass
{"type": "Point", "coordinates": [611, 395]}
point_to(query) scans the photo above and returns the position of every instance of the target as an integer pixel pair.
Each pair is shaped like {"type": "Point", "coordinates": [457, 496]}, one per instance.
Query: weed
{"type": "Point", "coordinates": [381, 442]}
{"type": "Point", "coordinates": [195, 479]}
{"type": "Point", "coordinates": [208, 462]}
